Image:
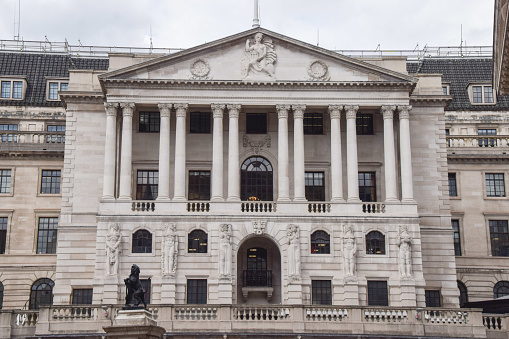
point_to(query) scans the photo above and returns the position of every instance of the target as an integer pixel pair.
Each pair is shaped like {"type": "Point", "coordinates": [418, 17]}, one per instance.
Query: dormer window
{"type": "Point", "coordinates": [481, 94]}
{"type": "Point", "coordinates": [53, 86]}
{"type": "Point", "coordinates": [12, 89]}
{"type": "Point", "coordinates": [446, 89]}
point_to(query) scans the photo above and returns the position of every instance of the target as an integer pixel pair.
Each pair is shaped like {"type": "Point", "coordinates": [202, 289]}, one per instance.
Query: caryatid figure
{"type": "Point", "coordinates": [349, 251]}
{"type": "Point", "coordinates": [404, 242]}
{"type": "Point", "coordinates": [113, 241]}
{"type": "Point", "coordinates": [292, 232]}
{"type": "Point", "coordinates": [169, 250]}
{"type": "Point", "coordinates": [225, 251]}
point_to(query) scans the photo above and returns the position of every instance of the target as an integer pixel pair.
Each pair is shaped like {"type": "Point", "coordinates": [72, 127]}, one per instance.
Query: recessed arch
{"type": "Point", "coordinates": [375, 243]}
{"type": "Point", "coordinates": [257, 179]}
{"type": "Point", "coordinates": [41, 293]}
{"type": "Point", "coordinates": [142, 241]}
{"type": "Point", "coordinates": [320, 242]}
{"type": "Point", "coordinates": [463, 293]}
{"type": "Point", "coordinates": [501, 289]}
{"type": "Point", "coordinates": [197, 241]}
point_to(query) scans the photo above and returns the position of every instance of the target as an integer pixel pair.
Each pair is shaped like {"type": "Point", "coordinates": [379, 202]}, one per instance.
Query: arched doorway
{"type": "Point", "coordinates": [256, 179]}
{"type": "Point", "coordinates": [258, 272]}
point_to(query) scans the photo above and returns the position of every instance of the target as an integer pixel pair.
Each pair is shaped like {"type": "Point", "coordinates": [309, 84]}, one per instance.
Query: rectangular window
{"type": "Point", "coordinates": [313, 123]}
{"type": "Point", "coordinates": [432, 298]}
{"type": "Point", "coordinates": [6, 89]}
{"type": "Point", "coordinates": [377, 293]}
{"type": "Point", "coordinates": [7, 135]}
{"type": "Point", "coordinates": [457, 239]}
{"type": "Point", "coordinates": [499, 235]}
{"type": "Point", "coordinates": [149, 122]}
{"type": "Point", "coordinates": [367, 186]}
{"type": "Point", "coordinates": [495, 186]}
{"type": "Point", "coordinates": [64, 86]}
{"type": "Point", "coordinates": [488, 94]}
{"type": "Point", "coordinates": [82, 296]}
{"type": "Point", "coordinates": [444, 90]}
{"type": "Point", "coordinates": [453, 192]}
{"type": "Point", "coordinates": [199, 185]}
{"type": "Point", "coordinates": [487, 141]}
{"type": "Point", "coordinates": [477, 94]}
{"type": "Point", "coordinates": [196, 291]}
{"type": "Point", "coordinates": [147, 288]}
{"type": "Point", "coordinates": [199, 122]}
{"type": "Point", "coordinates": [57, 137]}
{"type": "Point", "coordinates": [47, 236]}
{"type": "Point", "coordinates": [53, 91]}
{"type": "Point", "coordinates": [3, 234]}
{"type": "Point", "coordinates": [5, 181]}
{"type": "Point", "coordinates": [256, 123]}
{"type": "Point", "coordinates": [321, 292]}
{"type": "Point", "coordinates": [315, 186]}
{"type": "Point", "coordinates": [50, 182]}
{"type": "Point", "coordinates": [364, 123]}
{"type": "Point", "coordinates": [147, 184]}
{"type": "Point", "coordinates": [17, 89]}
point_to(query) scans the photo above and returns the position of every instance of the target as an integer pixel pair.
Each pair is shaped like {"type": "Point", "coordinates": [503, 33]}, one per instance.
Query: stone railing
{"type": "Point", "coordinates": [496, 324]}
{"type": "Point", "coordinates": [478, 141]}
{"type": "Point", "coordinates": [30, 137]}
{"type": "Point", "coordinates": [319, 207]}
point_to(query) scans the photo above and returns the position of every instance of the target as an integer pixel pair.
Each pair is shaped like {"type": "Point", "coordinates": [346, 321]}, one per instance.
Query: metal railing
{"type": "Point", "coordinates": [257, 278]}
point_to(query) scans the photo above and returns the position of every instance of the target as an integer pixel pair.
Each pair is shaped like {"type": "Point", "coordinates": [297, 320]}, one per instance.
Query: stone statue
{"type": "Point", "coordinates": [134, 288]}
{"type": "Point", "coordinates": [225, 251]}
{"type": "Point", "coordinates": [292, 233]}
{"type": "Point", "coordinates": [169, 250]}
{"type": "Point", "coordinates": [404, 242]}
{"type": "Point", "coordinates": [349, 251]}
{"type": "Point", "coordinates": [259, 59]}
{"type": "Point", "coordinates": [113, 241]}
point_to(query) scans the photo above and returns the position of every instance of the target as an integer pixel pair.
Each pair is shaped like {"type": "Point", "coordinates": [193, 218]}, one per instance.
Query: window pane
{"type": "Point", "coordinates": [196, 291]}
{"type": "Point", "coordinates": [313, 123]}
{"type": "Point", "coordinates": [377, 293]}
{"type": "Point", "coordinates": [147, 185]}
{"type": "Point", "coordinates": [256, 180]}
{"type": "Point", "coordinates": [5, 181]}
{"type": "Point", "coordinates": [320, 242]}
{"type": "Point", "coordinates": [477, 94]}
{"type": "Point", "coordinates": [50, 182]}
{"type": "Point", "coordinates": [6, 89]}
{"type": "Point", "coordinates": [452, 185]}
{"type": "Point", "coordinates": [3, 234]}
{"type": "Point", "coordinates": [501, 289]}
{"type": "Point", "coordinates": [432, 298]}
{"type": "Point", "coordinates": [495, 186]}
{"type": "Point", "coordinates": [41, 293]}
{"type": "Point", "coordinates": [488, 94]}
{"type": "Point", "coordinates": [199, 122]}
{"type": "Point", "coordinates": [444, 90]}
{"type": "Point", "coordinates": [457, 238]}
{"type": "Point", "coordinates": [197, 242]}
{"type": "Point", "coordinates": [149, 122]}
{"type": "Point", "coordinates": [17, 90]}
{"type": "Point", "coordinates": [315, 186]}
{"type": "Point", "coordinates": [53, 91]}
{"type": "Point", "coordinates": [256, 123]}
{"type": "Point", "coordinates": [321, 292]}
{"type": "Point", "coordinates": [367, 186]}
{"type": "Point", "coordinates": [47, 236]}
{"type": "Point", "coordinates": [364, 123]}
{"type": "Point", "coordinates": [199, 185]}
{"type": "Point", "coordinates": [63, 86]}
{"type": "Point", "coordinates": [147, 287]}
{"type": "Point", "coordinates": [82, 296]}
{"type": "Point", "coordinates": [499, 235]}
{"type": "Point", "coordinates": [375, 243]}
{"type": "Point", "coordinates": [142, 242]}
{"type": "Point", "coordinates": [55, 138]}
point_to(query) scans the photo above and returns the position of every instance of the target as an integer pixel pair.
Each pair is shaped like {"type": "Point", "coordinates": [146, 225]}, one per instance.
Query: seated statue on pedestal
{"type": "Point", "coordinates": [134, 288]}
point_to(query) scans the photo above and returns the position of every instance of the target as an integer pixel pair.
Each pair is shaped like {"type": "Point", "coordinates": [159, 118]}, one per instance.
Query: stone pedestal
{"type": "Point", "coordinates": [225, 291]}
{"type": "Point", "coordinates": [407, 293]}
{"type": "Point", "coordinates": [168, 290]}
{"type": "Point", "coordinates": [294, 293]}
{"type": "Point", "coordinates": [351, 292]}
{"type": "Point", "coordinates": [134, 324]}
{"type": "Point", "coordinates": [110, 290]}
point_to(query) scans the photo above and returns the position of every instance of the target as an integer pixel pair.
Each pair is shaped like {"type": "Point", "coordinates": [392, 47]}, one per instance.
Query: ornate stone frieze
{"type": "Point", "coordinates": [165, 109]}
{"type": "Point", "coordinates": [217, 110]}
{"type": "Point", "coordinates": [388, 111]}
{"type": "Point", "coordinates": [233, 110]}
{"type": "Point", "coordinates": [318, 71]}
{"type": "Point", "coordinates": [111, 108]}
{"type": "Point", "coordinates": [404, 111]}
{"type": "Point", "coordinates": [282, 111]}
{"type": "Point", "coordinates": [259, 226]}
{"type": "Point", "coordinates": [256, 145]}
{"type": "Point", "coordinates": [127, 109]}
{"type": "Point", "coordinates": [351, 111]}
{"type": "Point", "coordinates": [200, 70]}
{"type": "Point", "coordinates": [259, 59]}
{"type": "Point", "coordinates": [298, 111]}
{"type": "Point", "coordinates": [181, 110]}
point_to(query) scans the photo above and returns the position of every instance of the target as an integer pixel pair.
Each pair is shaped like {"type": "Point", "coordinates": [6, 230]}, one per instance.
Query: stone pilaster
{"type": "Point", "coordinates": [407, 187]}
{"type": "Point", "coordinates": [164, 152]}
{"type": "Point", "coordinates": [110, 150]}
{"type": "Point", "coordinates": [126, 151]}
{"type": "Point", "coordinates": [217, 153]}
{"type": "Point", "coordinates": [233, 154]}
{"type": "Point", "coordinates": [335, 156]}
{"type": "Point", "coordinates": [179, 193]}
{"type": "Point", "coordinates": [298, 153]}
{"type": "Point", "coordinates": [351, 153]}
{"type": "Point", "coordinates": [389, 154]}
{"type": "Point", "coordinates": [283, 176]}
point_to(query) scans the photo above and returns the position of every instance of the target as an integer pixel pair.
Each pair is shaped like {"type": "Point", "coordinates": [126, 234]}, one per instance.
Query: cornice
{"type": "Point", "coordinates": [78, 97]}
{"type": "Point", "coordinates": [33, 154]}
{"type": "Point", "coordinates": [476, 158]}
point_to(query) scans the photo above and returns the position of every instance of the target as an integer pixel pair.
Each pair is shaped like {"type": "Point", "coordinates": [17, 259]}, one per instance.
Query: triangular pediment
{"type": "Point", "coordinates": [258, 55]}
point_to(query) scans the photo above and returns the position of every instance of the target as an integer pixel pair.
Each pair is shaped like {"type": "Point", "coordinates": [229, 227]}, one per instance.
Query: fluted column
{"type": "Point", "coordinates": [298, 153]}
{"type": "Point", "coordinates": [127, 151]}
{"type": "Point", "coordinates": [233, 154]}
{"type": "Point", "coordinates": [407, 187]}
{"type": "Point", "coordinates": [179, 187]}
{"type": "Point", "coordinates": [217, 153]}
{"type": "Point", "coordinates": [164, 152]}
{"type": "Point", "coordinates": [389, 153]}
{"type": "Point", "coordinates": [335, 154]}
{"type": "Point", "coordinates": [351, 153]}
{"type": "Point", "coordinates": [109, 150]}
{"type": "Point", "coordinates": [282, 141]}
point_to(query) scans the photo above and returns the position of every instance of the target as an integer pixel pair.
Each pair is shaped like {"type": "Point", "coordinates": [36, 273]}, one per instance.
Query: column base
{"type": "Point", "coordinates": [391, 200]}
{"type": "Point", "coordinates": [179, 199]}
{"type": "Point", "coordinates": [108, 197]}
{"type": "Point", "coordinates": [217, 199]}
{"type": "Point", "coordinates": [354, 200]}
{"type": "Point", "coordinates": [163, 199]}
{"type": "Point", "coordinates": [409, 201]}
{"type": "Point", "coordinates": [337, 200]}
{"type": "Point", "coordinates": [124, 198]}
{"type": "Point", "coordinates": [283, 199]}
{"type": "Point", "coordinates": [233, 198]}
{"type": "Point", "coordinates": [300, 199]}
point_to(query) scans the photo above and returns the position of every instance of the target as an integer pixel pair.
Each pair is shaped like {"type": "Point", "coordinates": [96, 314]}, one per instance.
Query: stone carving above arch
{"type": "Point", "coordinates": [259, 226]}
{"type": "Point", "coordinates": [256, 145]}
{"type": "Point", "coordinates": [200, 70]}
{"type": "Point", "coordinates": [318, 71]}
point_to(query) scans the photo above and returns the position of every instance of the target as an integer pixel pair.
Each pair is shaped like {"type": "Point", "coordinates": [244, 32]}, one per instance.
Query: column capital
{"type": "Point", "coordinates": [233, 110]}
{"type": "Point", "coordinates": [388, 111]}
{"type": "Point", "coordinates": [351, 111]}
{"type": "Point", "coordinates": [181, 110]}
{"type": "Point", "coordinates": [127, 109]}
{"type": "Point", "coordinates": [217, 110]}
{"type": "Point", "coordinates": [404, 111]}
{"type": "Point", "coordinates": [335, 111]}
{"type": "Point", "coordinates": [164, 109]}
{"type": "Point", "coordinates": [298, 111]}
{"type": "Point", "coordinates": [282, 111]}
{"type": "Point", "coordinates": [111, 108]}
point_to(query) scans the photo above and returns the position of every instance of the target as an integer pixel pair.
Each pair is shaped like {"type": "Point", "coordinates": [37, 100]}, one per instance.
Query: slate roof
{"type": "Point", "coordinates": [37, 67]}
{"type": "Point", "coordinates": [459, 72]}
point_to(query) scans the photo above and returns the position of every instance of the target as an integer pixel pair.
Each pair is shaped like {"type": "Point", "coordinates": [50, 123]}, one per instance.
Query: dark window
{"type": "Point", "coordinates": [447, 134]}
{"type": "Point", "coordinates": [375, 243]}
{"type": "Point", "coordinates": [256, 259]}
{"type": "Point", "coordinates": [377, 293]}
{"type": "Point", "coordinates": [444, 90]}
{"type": "Point", "coordinates": [147, 288]}
{"type": "Point", "coordinates": [432, 298]}
{"type": "Point", "coordinates": [53, 91]}
{"type": "Point", "coordinates": [50, 182]}
{"type": "Point", "coordinates": [1, 294]}
{"type": "Point", "coordinates": [17, 90]}
{"type": "Point", "coordinates": [5, 181]}
{"type": "Point", "coordinates": [313, 123]}
{"type": "Point", "coordinates": [197, 242]}
{"type": "Point", "coordinates": [199, 122]}
{"type": "Point", "coordinates": [501, 289]}
{"type": "Point", "coordinates": [82, 296]}
{"type": "Point", "coordinates": [9, 136]}
{"type": "Point", "coordinates": [196, 291]}
{"type": "Point", "coordinates": [142, 242]}
{"type": "Point", "coordinates": [499, 235]}
{"type": "Point", "coordinates": [320, 242]}
{"type": "Point", "coordinates": [3, 234]}
{"type": "Point", "coordinates": [488, 94]}
{"type": "Point", "coordinates": [41, 293]}
{"type": "Point", "coordinates": [477, 94]}
{"type": "Point", "coordinates": [256, 179]}
{"type": "Point", "coordinates": [457, 239]}
{"type": "Point", "coordinates": [256, 123]}
{"type": "Point", "coordinates": [199, 185]}
{"type": "Point", "coordinates": [495, 186]}
{"type": "Point", "coordinates": [463, 293]}
{"type": "Point", "coordinates": [256, 274]}
{"type": "Point", "coordinates": [487, 141]}
{"type": "Point", "coordinates": [367, 186]}
{"type": "Point", "coordinates": [6, 89]}
{"type": "Point", "coordinates": [149, 122]}
{"type": "Point", "coordinates": [55, 138]}
{"type": "Point", "coordinates": [453, 192]}
{"type": "Point", "coordinates": [321, 292]}
{"type": "Point", "coordinates": [147, 184]}
{"type": "Point", "coordinates": [315, 186]}
{"type": "Point", "coordinates": [364, 123]}
{"type": "Point", "coordinates": [47, 236]}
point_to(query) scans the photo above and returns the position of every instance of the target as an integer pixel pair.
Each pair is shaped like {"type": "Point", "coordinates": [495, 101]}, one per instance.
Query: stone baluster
{"type": "Point", "coordinates": [110, 150]}
{"type": "Point", "coordinates": [407, 188]}
{"type": "Point", "coordinates": [179, 193]}
{"type": "Point", "coordinates": [126, 151]}
{"type": "Point", "coordinates": [283, 176]}
{"type": "Point", "coordinates": [217, 153]}
{"type": "Point", "coordinates": [298, 153]}
{"type": "Point", "coordinates": [351, 153]}
{"type": "Point", "coordinates": [164, 153]}
{"type": "Point", "coordinates": [335, 156]}
{"type": "Point", "coordinates": [233, 154]}
{"type": "Point", "coordinates": [389, 153]}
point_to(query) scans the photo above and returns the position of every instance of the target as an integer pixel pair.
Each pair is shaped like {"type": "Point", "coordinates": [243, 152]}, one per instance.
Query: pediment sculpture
{"type": "Point", "coordinates": [259, 59]}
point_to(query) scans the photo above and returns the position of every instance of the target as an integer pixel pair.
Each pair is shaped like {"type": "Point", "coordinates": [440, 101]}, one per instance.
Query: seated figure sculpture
{"type": "Point", "coordinates": [134, 288]}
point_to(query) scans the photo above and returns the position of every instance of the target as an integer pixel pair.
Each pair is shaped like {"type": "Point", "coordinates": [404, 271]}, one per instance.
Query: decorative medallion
{"type": "Point", "coordinates": [200, 70]}
{"type": "Point", "coordinates": [318, 71]}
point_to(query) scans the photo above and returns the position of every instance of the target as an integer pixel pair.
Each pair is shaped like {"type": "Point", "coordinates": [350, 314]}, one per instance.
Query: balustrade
{"type": "Point", "coordinates": [319, 208]}
{"type": "Point", "coordinates": [326, 314]}
{"type": "Point", "coordinates": [261, 313]}
{"type": "Point", "coordinates": [445, 317]}
{"type": "Point", "coordinates": [257, 278]}
{"type": "Point", "coordinates": [195, 313]}
{"type": "Point", "coordinates": [198, 206]}
{"type": "Point", "coordinates": [75, 313]}
{"type": "Point", "coordinates": [385, 315]}
{"type": "Point", "coordinates": [478, 141]}
{"type": "Point", "coordinates": [373, 208]}
{"type": "Point", "coordinates": [493, 322]}
{"type": "Point", "coordinates": [26, 318]}
{"type": "Point", "coordinates": [143, 206]}
{"type": "Point", "coordinates": [31, 137]}
{"type": "Point", "coordinates": [258, 206]}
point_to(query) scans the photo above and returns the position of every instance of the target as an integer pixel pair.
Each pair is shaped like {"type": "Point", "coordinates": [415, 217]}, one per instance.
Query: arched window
{"type": "Point", "coordinates": [1, 294]}
{"type": "Point", "coordinates": [41, 293]}
{"type": "Point", "coordinates": [256, 179]}
{"type": "Point", "coordinates": [501, 289]}
{"type": "Point", "coordinates": [375, 243]}
{"type": "Point", "coordinates": [320, 242]}
{"type": "Point", "coordinates": [197, 242]}
{"type": "Point", "coordinates": [463, 293]}
{"type": "Point", "coordinates": [142, 242]}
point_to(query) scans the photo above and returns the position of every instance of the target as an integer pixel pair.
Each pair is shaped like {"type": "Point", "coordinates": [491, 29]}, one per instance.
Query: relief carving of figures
{"type": "Point", "coordinates": [292, 232]}
{"type": "Point", "coordinates": [349, 251]}
{"type": "Point", "coordinates": [259, 58]}
{"type": "Point", "coordinates": [259, 226]}
{"type": "Point", "coordinates": [256, 145]}
{"type": "Point", "coordinates": [404, 242]}
{"type": "Point", "coordinates": [225, 251]}
{"type": "Point", "coordinates": [113, 241]}
{"type": "Point", "coordinates": [169, 249]}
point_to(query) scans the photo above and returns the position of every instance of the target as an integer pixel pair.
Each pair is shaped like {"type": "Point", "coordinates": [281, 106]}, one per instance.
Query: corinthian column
{"type": "Point", "coordinates": [389, 153]}
{"type": "Point", "coordinates": [179, 190]}
{"type": "Point", "coordinates": [282, 142]}
{"type": "Point", "coordinates": [407, 189]}
{"type": "Point", "coordinates": [217, 153]}
{"type": "Point", "coordinates": [335, 154]}
{"type": "Point", "coordinates": [233, 154]}
{"type": "Point", "coordinates": [127, 151]}
{"type": "Point", "coordinates": [351, 153]}
{"type": "Point", "coordinates": [298, 153]}
{"type": "Point", "coordinates": [163, 192]}
{"type": "Point", "coordinates": [109, 150]}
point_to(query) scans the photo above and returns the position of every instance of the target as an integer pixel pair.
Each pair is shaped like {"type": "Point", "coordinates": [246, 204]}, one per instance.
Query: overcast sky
{"type": "Point", "coordinates": [342, 24]}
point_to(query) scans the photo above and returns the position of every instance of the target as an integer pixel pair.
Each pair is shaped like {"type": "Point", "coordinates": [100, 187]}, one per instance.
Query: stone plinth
{"type": "Point", "coordinates": [134, 324]}
{"type": "Point", "coordinates": [168, 289]}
